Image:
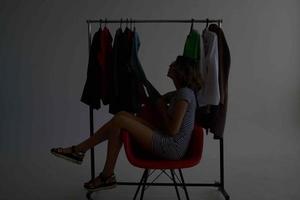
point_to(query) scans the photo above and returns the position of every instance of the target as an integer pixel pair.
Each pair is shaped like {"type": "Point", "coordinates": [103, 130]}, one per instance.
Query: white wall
{"type": "Point", "coordinates": [43, 63]}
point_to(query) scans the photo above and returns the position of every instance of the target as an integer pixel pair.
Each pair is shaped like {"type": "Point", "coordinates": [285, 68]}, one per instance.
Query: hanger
{"type": "Point", "coordinates": [130, 23]}
{"type": "Point", "coordinates": [192, 25]}
{"type": "Point", "coordinates": [206, 26]}
{"type": "Point", "coordinates": [133, 25]}
{"type": "Point", "coordinates": [100, 23]}
{"type": "Point", "coordinates": [126, 22]}
{"type": "Point", "coordinates": [105, 22]}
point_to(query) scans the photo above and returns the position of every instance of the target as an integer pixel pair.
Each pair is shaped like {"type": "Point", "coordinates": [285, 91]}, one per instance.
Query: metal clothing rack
{"type": "Point", "coordinates": [218, 184]}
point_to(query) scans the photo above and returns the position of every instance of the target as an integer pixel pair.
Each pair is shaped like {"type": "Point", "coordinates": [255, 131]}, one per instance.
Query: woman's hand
{"type": "Point", "coordinates": [161, 104]}
{"type": "Point", "coordinates": [168, 96]}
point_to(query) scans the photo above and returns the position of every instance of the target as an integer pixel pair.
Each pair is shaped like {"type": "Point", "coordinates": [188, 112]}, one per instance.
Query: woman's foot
{"type": "Point", "coordinates": [101, 182]}
{"type": "Point", "coordinates": [71, 154]}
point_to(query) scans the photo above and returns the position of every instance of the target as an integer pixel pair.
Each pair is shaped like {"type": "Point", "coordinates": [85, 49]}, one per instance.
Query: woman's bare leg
{"type": "Point", "coordinates": [113, 148]}
{"type": "Point", "coordinates": [99, 136]}
{"type": "Point", "coordinates": [103, 133]}
{"type": "Point", "coordinates": [140, 132]}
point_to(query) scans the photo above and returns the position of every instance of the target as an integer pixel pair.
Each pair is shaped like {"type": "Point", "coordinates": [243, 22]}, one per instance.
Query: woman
{"type": "Point", "coordinates": [170, 140]}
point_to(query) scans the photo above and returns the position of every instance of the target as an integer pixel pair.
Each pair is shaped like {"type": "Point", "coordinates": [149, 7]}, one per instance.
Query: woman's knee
{"type": "Point", "coordinates": [118, 120]}
{"type": "Point", "coordinates": [114, 133]}
{"type": "Point", "coordinates": [123, 113]}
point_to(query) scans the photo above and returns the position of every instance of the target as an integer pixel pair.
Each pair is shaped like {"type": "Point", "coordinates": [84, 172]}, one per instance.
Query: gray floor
{"type": "Point", "coordinates": [248, 176]}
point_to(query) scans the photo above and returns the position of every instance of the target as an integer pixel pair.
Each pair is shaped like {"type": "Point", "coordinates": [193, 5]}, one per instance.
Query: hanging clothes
{"type": "Point", "coordinates": [213, 117]}
{"type": "Point", "coordinates": [140, 74]}
{"type": "Point", "coordinates": [224, 61]}
{"type": "Point", "coordinates": [115, 74]}
{"type": "Point", "coordinates": [129, 78]}
{"type": "Point", "coordinates": [205, 50]}
{"type": "Point", "coordinates": [125, 94]}
{"type": "Point", "coordinates": [136, 66]}
{"type": "Point", "coordinates": [116, 62]}
{"type": "Point", "coordinates": [209, 96]}
{"type": "Point", "coordinates": [192, 45]}
{"type": "Point", "coordinates": [128, 94]}
{"type": "Point", "coordinates": [210, 93]}
{"type": "Point", "coordinates": [136, 90]}
{"type": "Point", "coordinates": [193, 48]}
{"type": "Point", "coordinates": [119, 72]}
{"type": "Point", "coordinates": [91, 92]}
{"type": "Point", "coordinates": [214, 62]}
{"type": "Point", "coordinates": [104, 57]}
{"type": "Point", "coordinates": [224, 67]}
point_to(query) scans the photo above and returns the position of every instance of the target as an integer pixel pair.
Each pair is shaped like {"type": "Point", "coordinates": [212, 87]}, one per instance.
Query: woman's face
{"type": "Point", "coordinates": [173, 74]}
{"type": "Point", "coordinates": [172, 71]}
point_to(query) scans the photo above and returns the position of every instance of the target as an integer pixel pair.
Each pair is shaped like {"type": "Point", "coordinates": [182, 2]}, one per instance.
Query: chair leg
{"type": "Point", "coordinates": [144, 183]}
{"type": "Point", "coordinates": [175, 183]}
{"type": "Point", "coordinates": [184, 186]}
{"type": "Point", "coordinates": [140, 183]}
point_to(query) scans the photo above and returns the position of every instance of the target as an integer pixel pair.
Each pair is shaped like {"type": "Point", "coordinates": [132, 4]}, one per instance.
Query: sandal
{"type": "Point", "coordinates": [105, 183]}
{"type": "Point", "coordinates": [75, 157]}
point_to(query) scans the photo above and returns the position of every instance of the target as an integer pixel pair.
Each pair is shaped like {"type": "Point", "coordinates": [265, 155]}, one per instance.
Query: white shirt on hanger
{"type": "Point", "coordinates": [209, 68]}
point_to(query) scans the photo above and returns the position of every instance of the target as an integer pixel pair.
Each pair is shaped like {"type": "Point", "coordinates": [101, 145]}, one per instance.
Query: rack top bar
{"type": "Point", "coordinates": [155, 21]}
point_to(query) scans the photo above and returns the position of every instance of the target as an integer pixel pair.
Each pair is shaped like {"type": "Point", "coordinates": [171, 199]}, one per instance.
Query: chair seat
{"type": "Point", "coordinates": [140, 158]}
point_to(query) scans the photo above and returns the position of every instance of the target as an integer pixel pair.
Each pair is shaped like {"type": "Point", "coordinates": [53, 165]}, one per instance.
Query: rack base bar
{"type": "Point", "coordinates": [172, 184]}
{"type": "Point", "coordinates": [216, 184]}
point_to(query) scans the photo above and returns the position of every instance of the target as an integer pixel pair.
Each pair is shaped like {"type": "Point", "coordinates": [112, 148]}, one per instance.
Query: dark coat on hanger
{"type": "Point", "coordinates": [91, 92]}
{"type": "Point", "coordinates": [224, 65]}
{"type": "Point", "coordinates": [124, 95]}
{"type": "Point", "coordinates": [117, 62]}
{"type": "Point", "coordinates": [104, 57]}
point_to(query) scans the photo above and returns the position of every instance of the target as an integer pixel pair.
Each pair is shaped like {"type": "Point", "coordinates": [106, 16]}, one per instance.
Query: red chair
{"type": "Point", "coordinates": [141, 159]}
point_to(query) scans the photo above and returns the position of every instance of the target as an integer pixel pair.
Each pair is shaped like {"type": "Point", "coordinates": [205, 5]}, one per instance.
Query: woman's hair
{"type": "Point", "coordinates": [188, 71]}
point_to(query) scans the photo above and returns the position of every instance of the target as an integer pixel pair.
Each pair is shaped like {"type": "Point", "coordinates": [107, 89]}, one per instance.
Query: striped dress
{"type": "Point", "coordinates": [174, 148]}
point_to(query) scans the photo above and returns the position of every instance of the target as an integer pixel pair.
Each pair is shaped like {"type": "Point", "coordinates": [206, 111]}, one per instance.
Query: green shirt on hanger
{"type": "Point", "coordinates": [192, 45]}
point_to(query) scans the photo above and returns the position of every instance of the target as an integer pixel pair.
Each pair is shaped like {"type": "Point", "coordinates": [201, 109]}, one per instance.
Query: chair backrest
{"type": "Point", "coordinates": [196, 144]}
